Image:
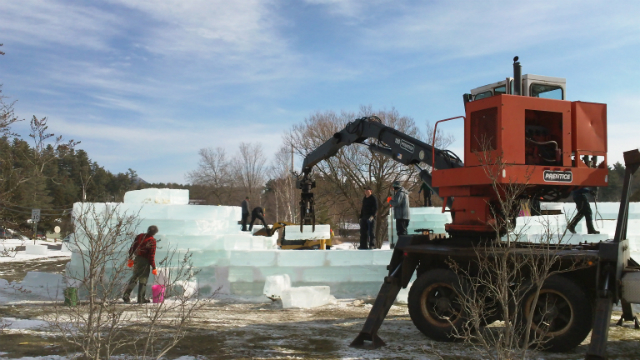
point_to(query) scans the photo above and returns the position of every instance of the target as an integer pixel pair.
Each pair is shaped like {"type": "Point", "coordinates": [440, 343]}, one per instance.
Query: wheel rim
{"type": "Point", "coordinates": [440, 305]}
{"type": "Point", "coordinates": [553, 314]}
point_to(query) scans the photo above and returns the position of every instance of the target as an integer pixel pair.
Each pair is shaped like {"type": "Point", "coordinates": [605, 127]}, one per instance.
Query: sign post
{"type": "Point", "coordinates": [35, 217]}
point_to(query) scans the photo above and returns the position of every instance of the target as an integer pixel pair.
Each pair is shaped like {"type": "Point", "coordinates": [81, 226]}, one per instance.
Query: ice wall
{"type": "Point", "coordinates": [533, 228]}
{"type": "Point", "coordinates": [235, 262]}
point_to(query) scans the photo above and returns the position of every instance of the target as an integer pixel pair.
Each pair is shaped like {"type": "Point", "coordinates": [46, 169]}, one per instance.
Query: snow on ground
{"type": "Point", "coordinates": [247, 327]}
{"type": "Point", "coordinates": [19, 280]}
{"type": "Point", "coordinates": [231, 328]}
{"type": "Point", "coordinates": [10, 244]}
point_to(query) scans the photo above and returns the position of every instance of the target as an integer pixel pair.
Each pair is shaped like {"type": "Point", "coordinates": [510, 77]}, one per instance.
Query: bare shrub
{"type": "Point", "coordinates": [504, 280]}
{"type": "Point", "coordinates": [101, 325]}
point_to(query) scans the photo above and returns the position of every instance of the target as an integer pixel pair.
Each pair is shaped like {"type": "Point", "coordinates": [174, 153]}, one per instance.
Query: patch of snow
{"type": "Point", "coordinates": [21, 256]}
{"type": "Point", "coordinates": [11, 323]}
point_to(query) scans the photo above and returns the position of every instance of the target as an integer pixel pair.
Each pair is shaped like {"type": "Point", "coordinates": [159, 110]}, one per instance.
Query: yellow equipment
{"type": "Point", "coordinates": [295, 244]}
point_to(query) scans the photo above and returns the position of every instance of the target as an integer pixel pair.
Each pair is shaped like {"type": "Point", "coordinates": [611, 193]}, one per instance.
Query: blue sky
{"type": "Point", "coordinates": [145, 84]}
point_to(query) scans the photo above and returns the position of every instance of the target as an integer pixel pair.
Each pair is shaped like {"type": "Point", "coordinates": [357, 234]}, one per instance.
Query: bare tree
{"type": "Point", "coordinates": [513, 279]}
{"type": "Point", "coordinates": [10, 176]}
{"type": "Point", "coordinates": [101, 326]}
{"type": "Point", "coordinates": [442, 139]}
{"type": "Point", "coordinates": [249, 168]}
{"type": "Point", "coordinates": [214, 172]}
{"type": "Point", "coordinates": [7, 115]}
{"type": "Point", "coordinates": [346, 174]}
{"type": "Point", "coordinates": [282, 183]}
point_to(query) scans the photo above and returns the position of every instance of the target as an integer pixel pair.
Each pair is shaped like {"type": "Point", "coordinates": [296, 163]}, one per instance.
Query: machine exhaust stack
{"type": "Point", "coordinates": [517, 77]}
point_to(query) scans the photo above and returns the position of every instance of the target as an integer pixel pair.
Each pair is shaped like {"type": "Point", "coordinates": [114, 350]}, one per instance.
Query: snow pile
{"type": "Point", "coordinates": [157, 196]}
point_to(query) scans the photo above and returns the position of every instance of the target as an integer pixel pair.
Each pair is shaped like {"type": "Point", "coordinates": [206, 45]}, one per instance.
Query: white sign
{"type": "Point", "coordinates": [56, 229]}
{"type": "Point", "coordinates": [35, 215]}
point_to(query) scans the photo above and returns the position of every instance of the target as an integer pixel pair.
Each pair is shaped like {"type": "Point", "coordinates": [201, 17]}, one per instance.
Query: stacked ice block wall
{"type": "Point", "coordinates": [534, 228]}
{"type": "Point", "coordinates": [237, 263]}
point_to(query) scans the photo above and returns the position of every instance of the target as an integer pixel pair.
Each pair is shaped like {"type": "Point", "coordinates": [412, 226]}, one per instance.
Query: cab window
{"type": "Point", "coordinates": [500, 90]}
{"type": "Point", "coordinates": [483, 95]}
{"type": "Point", "coordinates": [546, 91]}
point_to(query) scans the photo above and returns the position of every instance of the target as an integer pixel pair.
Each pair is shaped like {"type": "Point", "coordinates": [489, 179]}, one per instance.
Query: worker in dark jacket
{"type": "Point", "coordinates": [368, 220]}
{"type": "Point", "coordinates": [258, 213]}
{"type": "Point", "coordinates": [400, 203]}
{"type": "Point", "coordinates": [245, 213]}
{"type": "Point", "coordinates": [142, 254]}
{"type": "Point", "coordinates": [426, 193]}
{"type": "Point", "coordinates": [584, 210]}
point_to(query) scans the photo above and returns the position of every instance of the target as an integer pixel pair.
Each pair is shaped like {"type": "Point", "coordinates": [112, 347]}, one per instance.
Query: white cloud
{"type": "Point", "coordinates": [51, 23]}
{"type": "Point", "coordinates": [211, 28]}
{"type": "Point", "coordinates": [471, 29]}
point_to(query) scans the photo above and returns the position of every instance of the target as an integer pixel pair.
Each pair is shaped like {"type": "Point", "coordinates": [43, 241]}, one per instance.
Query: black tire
{"type": "Point", "coordinates": [563, 314]}
{"type": "Point", "coordinates": [433, 304]}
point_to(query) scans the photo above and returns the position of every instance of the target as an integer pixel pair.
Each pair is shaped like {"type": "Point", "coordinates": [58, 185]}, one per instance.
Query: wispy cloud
{"type": "Point", "coordinates": [51, 23]}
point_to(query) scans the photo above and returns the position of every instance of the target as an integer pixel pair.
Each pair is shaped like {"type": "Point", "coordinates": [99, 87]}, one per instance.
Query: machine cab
{"type": "Point", "coordinates": [539, 86]}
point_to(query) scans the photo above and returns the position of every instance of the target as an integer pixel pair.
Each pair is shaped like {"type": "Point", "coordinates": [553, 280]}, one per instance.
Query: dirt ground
{"type": "Point", "coordinates": [229, 328]}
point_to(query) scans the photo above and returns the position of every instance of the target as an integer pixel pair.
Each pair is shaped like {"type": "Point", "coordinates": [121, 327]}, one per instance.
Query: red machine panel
{"type": "Point", "coordinates": [589, 131]}
{"type": "Point", "coordinates": [503, 123]}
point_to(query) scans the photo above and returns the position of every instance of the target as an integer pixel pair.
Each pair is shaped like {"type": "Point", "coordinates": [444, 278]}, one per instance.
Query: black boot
{"type": "Point", "coordinates": [142, 290]}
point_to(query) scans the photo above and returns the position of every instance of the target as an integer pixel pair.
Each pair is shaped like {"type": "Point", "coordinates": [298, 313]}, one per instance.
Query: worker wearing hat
{"type": "Point", "coordinates": [400, 203]}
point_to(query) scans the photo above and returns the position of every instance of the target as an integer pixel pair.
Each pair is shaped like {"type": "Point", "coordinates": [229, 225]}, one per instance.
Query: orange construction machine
{"type": "Point", "coordinates": [519, 132]}
{"type": "Point", "coordinates": [551, 145]}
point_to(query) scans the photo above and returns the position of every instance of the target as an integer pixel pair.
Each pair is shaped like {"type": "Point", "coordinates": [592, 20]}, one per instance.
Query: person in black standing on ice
{"type": "Point", "coordinates": [426, 194]}
{"type": "Point", "coordinates": [258, 213]}
{"type": "Point", "coordinates": [584, 210]}
{"type": "Point", "coordinates": [245, 213]}
{"type": "Point", "coordinates": [368, 220]}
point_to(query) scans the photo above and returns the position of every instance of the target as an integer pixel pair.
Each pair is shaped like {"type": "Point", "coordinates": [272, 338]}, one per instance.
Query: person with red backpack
{"type": "Point", "coordinates": [144, 250]}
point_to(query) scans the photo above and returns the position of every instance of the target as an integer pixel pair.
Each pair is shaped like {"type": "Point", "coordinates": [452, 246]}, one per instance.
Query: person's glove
{"type": "Point", "coordinates": [130, 263]}
{"type": "Point", "coordinates": [370, 218]}
{"type": "Point", "coordinates": [154, 272]}
{"type": "Point", "coordinates": [389, 199]}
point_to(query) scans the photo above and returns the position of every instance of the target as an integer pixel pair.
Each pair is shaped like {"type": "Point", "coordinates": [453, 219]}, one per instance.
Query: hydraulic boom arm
{"type": "Point", "coordinates": [391, 143]}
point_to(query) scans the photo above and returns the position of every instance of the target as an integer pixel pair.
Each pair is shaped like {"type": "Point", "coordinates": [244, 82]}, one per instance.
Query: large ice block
{"type": "Point", "coordinates": [349, 257]}
{"type": "Point", "coordinates": [293, 232]}
{"type": "Point", "coordinates": [275, 285]}
{"type": "Point", "coordinates": [241, 274]}
{"type": "Point", "coordinates": [253, 258]}
{"type": "Point", "coordinates": [305, 297]}
{"type": "Point", "coordinates": [302, 258]}
{"type": "Point", "coordinates": [326, 274]}
{"type": "Point", "coordinates": [240, 241]}
{"type": "Point", "coordinates": [295, 273]}
{"type": "Point", "coordinates": [381, 257]}
{"type": "Point", "coordinates": [157, 196]}
{"type": "Point", "coordinates": [367, 273]}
